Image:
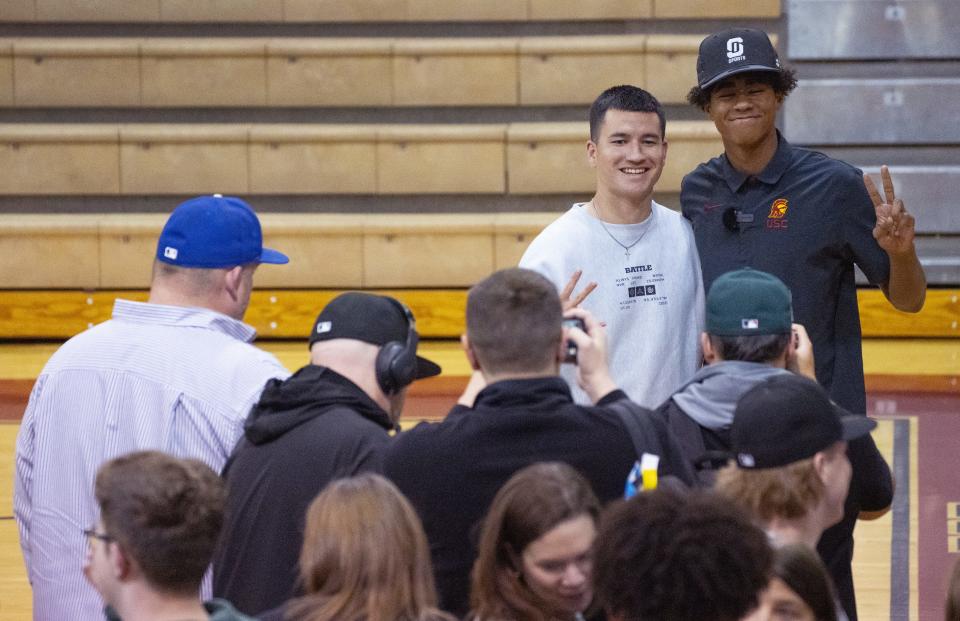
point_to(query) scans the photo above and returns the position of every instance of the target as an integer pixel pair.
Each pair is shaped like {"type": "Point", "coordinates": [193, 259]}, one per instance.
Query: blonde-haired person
{"type": "Point", "coordinates": [790, 446]}
{"type": "Point", "coordinates": [535, 561]}
{"type": "Point", "coordinates": [364, 558]}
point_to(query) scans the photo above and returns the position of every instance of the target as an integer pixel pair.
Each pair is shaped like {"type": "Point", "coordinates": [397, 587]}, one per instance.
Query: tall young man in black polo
{"type": "Point", "coordinates": [802, 216]}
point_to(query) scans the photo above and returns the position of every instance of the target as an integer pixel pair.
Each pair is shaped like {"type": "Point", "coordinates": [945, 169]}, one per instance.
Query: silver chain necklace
{"type": "Point", "coordinates": [626, 247]}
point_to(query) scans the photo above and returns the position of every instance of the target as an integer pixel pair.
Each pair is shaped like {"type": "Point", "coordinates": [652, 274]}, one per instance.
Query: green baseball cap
{"type": "Point", "coordinates": [748, 302]}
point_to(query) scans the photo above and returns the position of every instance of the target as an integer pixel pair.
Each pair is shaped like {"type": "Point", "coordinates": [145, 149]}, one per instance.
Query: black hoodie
{"type": "Point", "coordinates": [305, 431]}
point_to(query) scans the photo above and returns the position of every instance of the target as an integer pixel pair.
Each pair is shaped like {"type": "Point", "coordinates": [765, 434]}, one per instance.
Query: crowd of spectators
{"type": "Point", "coordinates": [591, 469]}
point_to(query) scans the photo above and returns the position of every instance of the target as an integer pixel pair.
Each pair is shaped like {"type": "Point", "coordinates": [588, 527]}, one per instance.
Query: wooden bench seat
{"type": "Point", "coordinates": [339, 72]}
{"type": "Point", "coordinates": [178, 159]}
{"type": "Point", "coordinates": [289, 313]}
{"type": "Point", "coordinates": [115, 251]}
{"type": "Point", "coordinates": [375, 11]}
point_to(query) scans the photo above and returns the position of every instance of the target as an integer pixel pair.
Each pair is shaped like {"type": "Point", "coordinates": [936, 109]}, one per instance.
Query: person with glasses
{"type": "Point", "coordinates": [160, 520]}
{"type": "Point", "coordinates": [639, 254]}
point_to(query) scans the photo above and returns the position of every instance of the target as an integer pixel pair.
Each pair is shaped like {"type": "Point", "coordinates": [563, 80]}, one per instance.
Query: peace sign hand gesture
{"type": "Point", "coordinates": [894, 230]}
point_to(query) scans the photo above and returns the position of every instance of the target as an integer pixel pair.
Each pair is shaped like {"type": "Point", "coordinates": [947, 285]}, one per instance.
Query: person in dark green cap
{"type": "Point", "coordinates": [751, 337]}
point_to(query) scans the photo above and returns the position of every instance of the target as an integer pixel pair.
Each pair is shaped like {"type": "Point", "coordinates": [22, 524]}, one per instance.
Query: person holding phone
{"type": "Point", "coordinates": [518, 411]}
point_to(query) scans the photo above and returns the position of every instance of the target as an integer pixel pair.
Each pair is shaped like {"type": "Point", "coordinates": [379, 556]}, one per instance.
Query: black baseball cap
{"type": "Point", "coordinates": [733, 51]}
{"type": "Point", "coordinates": [748, 302]}
{"type": "Point", "coordinates": [786, 419]}
{"type": "Point", "coordinates": [374, 319]}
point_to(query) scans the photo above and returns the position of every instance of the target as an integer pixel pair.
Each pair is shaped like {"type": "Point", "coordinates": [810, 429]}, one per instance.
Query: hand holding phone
{"type": "Point", "coordinates": [571, 347]}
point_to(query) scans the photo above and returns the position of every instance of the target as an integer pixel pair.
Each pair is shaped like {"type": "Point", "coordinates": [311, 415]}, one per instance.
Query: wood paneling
{"type": "Point", "coordinates": [466, 10]}
{"type": "Point", "coordinates": [60, 314]}
{"type": "Point", "coordinates": [6, 70]}
{"type": "Point", "coordinates": [334, 72]}
{"type": "Point", "coordinates": [176, 159]}
{"type": "Point", "coordinates": [574, 70]}
{"type": "Point", "coordinates": [106, 11]}
{"type": "Point", "coordinates": [205, 72]}
{"type": "Point", "coordinates": [221, 10]}
{"type": "Point", "coordinates": [56, 159]}
{"type": "Point", "coordinates": [441, 159]}
{"type": "Point", "coordinates": [590, 9]}
{"type": "Point", "coordinates": [698, 9]}
{"type": "Point", "coordinates": [671, 66]}
{"type": "Point", "coordinates": [455, 72]}
{"type": "Point", "coordinates": [328, 159]}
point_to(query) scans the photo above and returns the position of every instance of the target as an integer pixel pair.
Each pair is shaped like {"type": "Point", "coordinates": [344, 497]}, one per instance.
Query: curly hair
{"type": "Point", "coordinates": [782, 83]}
{"type": "Point", "coordinates": [789, 492]}
{"type": "Point", "coordinates": [669, 556]}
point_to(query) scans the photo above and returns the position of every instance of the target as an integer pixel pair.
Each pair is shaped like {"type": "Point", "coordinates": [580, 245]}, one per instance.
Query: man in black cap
{"type": "Point", "coordinates": [329, 420]}
{"type": "Point", "coordinates": [791, 471]}
{"type": "Point", "coordinates": [789, 445]}
{"type": "Point", "coordinates": [797, 214]}
{"type": "Point", "coordinates": [800, 215]}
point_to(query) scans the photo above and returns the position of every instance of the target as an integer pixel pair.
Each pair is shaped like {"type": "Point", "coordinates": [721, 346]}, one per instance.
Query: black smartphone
{"type": "Point", "coordinates": [572, 322]}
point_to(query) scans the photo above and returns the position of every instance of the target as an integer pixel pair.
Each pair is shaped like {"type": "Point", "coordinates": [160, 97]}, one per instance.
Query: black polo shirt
{"type": "Point", "coordinates": [806, 218]}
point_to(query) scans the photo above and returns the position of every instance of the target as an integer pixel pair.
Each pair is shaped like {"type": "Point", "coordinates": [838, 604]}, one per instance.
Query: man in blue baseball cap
{"type": "Point", "coordinates": [176, 374]}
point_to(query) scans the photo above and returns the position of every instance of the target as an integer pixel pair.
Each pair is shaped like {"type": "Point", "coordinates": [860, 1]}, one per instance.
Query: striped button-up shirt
{"type": "Point", "coordinates": [167, 378]}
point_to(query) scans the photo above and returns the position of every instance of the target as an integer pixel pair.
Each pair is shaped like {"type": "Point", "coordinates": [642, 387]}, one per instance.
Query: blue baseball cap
{"type": "Point", "coordinates": [214, 232]}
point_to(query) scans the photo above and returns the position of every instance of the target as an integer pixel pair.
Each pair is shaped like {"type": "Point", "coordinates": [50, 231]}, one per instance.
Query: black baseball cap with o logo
{"type": "Point", "coordinates": [733, 51]}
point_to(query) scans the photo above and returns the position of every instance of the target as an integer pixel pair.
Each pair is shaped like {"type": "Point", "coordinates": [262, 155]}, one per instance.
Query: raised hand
{"type": "Point", "coordinates": [894, 230]}
{"type": "Point", "coordinates": [569, 302]}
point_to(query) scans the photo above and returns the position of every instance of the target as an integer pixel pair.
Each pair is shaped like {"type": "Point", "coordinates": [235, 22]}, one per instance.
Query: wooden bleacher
{"type": "Point", "coordinates": [145, 159]}
{"type": "Point", "coordinates": [62, 272]}
{"type": "Point", "coordinates": [289, 313]}
{"type": "Point", "coordinates": [331, 72]}
{"type": "Point", "coordinates": [326, 11]}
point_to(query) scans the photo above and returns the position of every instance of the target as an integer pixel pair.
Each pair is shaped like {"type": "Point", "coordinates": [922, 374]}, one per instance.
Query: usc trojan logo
{"type": "Point", "coordinates": [778, 209]}
{"type": "Point", "coordinates": [777, 218]}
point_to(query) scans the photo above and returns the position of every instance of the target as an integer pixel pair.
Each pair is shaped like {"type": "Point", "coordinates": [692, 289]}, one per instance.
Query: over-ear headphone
{"type": "Point", "coordinates": [396, 364]}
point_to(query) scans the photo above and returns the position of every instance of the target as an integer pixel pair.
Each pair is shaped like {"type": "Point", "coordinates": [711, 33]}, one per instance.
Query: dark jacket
{"type": "Point", "coordinates": [314, 427]}
{"type": "Point", "coordinates": [451, 470]}
{"type": "Point", "coordinates": [706, 404]}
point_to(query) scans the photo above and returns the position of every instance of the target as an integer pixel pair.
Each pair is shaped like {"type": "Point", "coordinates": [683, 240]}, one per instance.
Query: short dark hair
{"type": "Point", "coordinates": [531, 503]}
{"type": "Point", "coordinates": [628, 98]}
{"type": "Point", "coordinates": [513, 321]}
{"type": "Point", "coordinates": [782, 83]}
{"type": "Point", "coordinates": [165, 513]}
{"type": "Point", "coordinates": [667, 555]}
{"type": "Point", "coordinates": [802, 570]}
{"type": "Point", "coordinates": [758, 348]}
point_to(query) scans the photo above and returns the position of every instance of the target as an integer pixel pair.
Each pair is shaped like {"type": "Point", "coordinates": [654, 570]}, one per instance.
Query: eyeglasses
{"type": "Point", "coordinates": [91, 533]}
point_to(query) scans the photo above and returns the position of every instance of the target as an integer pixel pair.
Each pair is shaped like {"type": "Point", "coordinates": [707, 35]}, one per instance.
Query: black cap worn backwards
{"type": "Point", "coordinates": [733, 51]}
{"type": "Point", "coordinates": [374, 319]}
{"type": "Point", "coordinates": [789, 418]}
